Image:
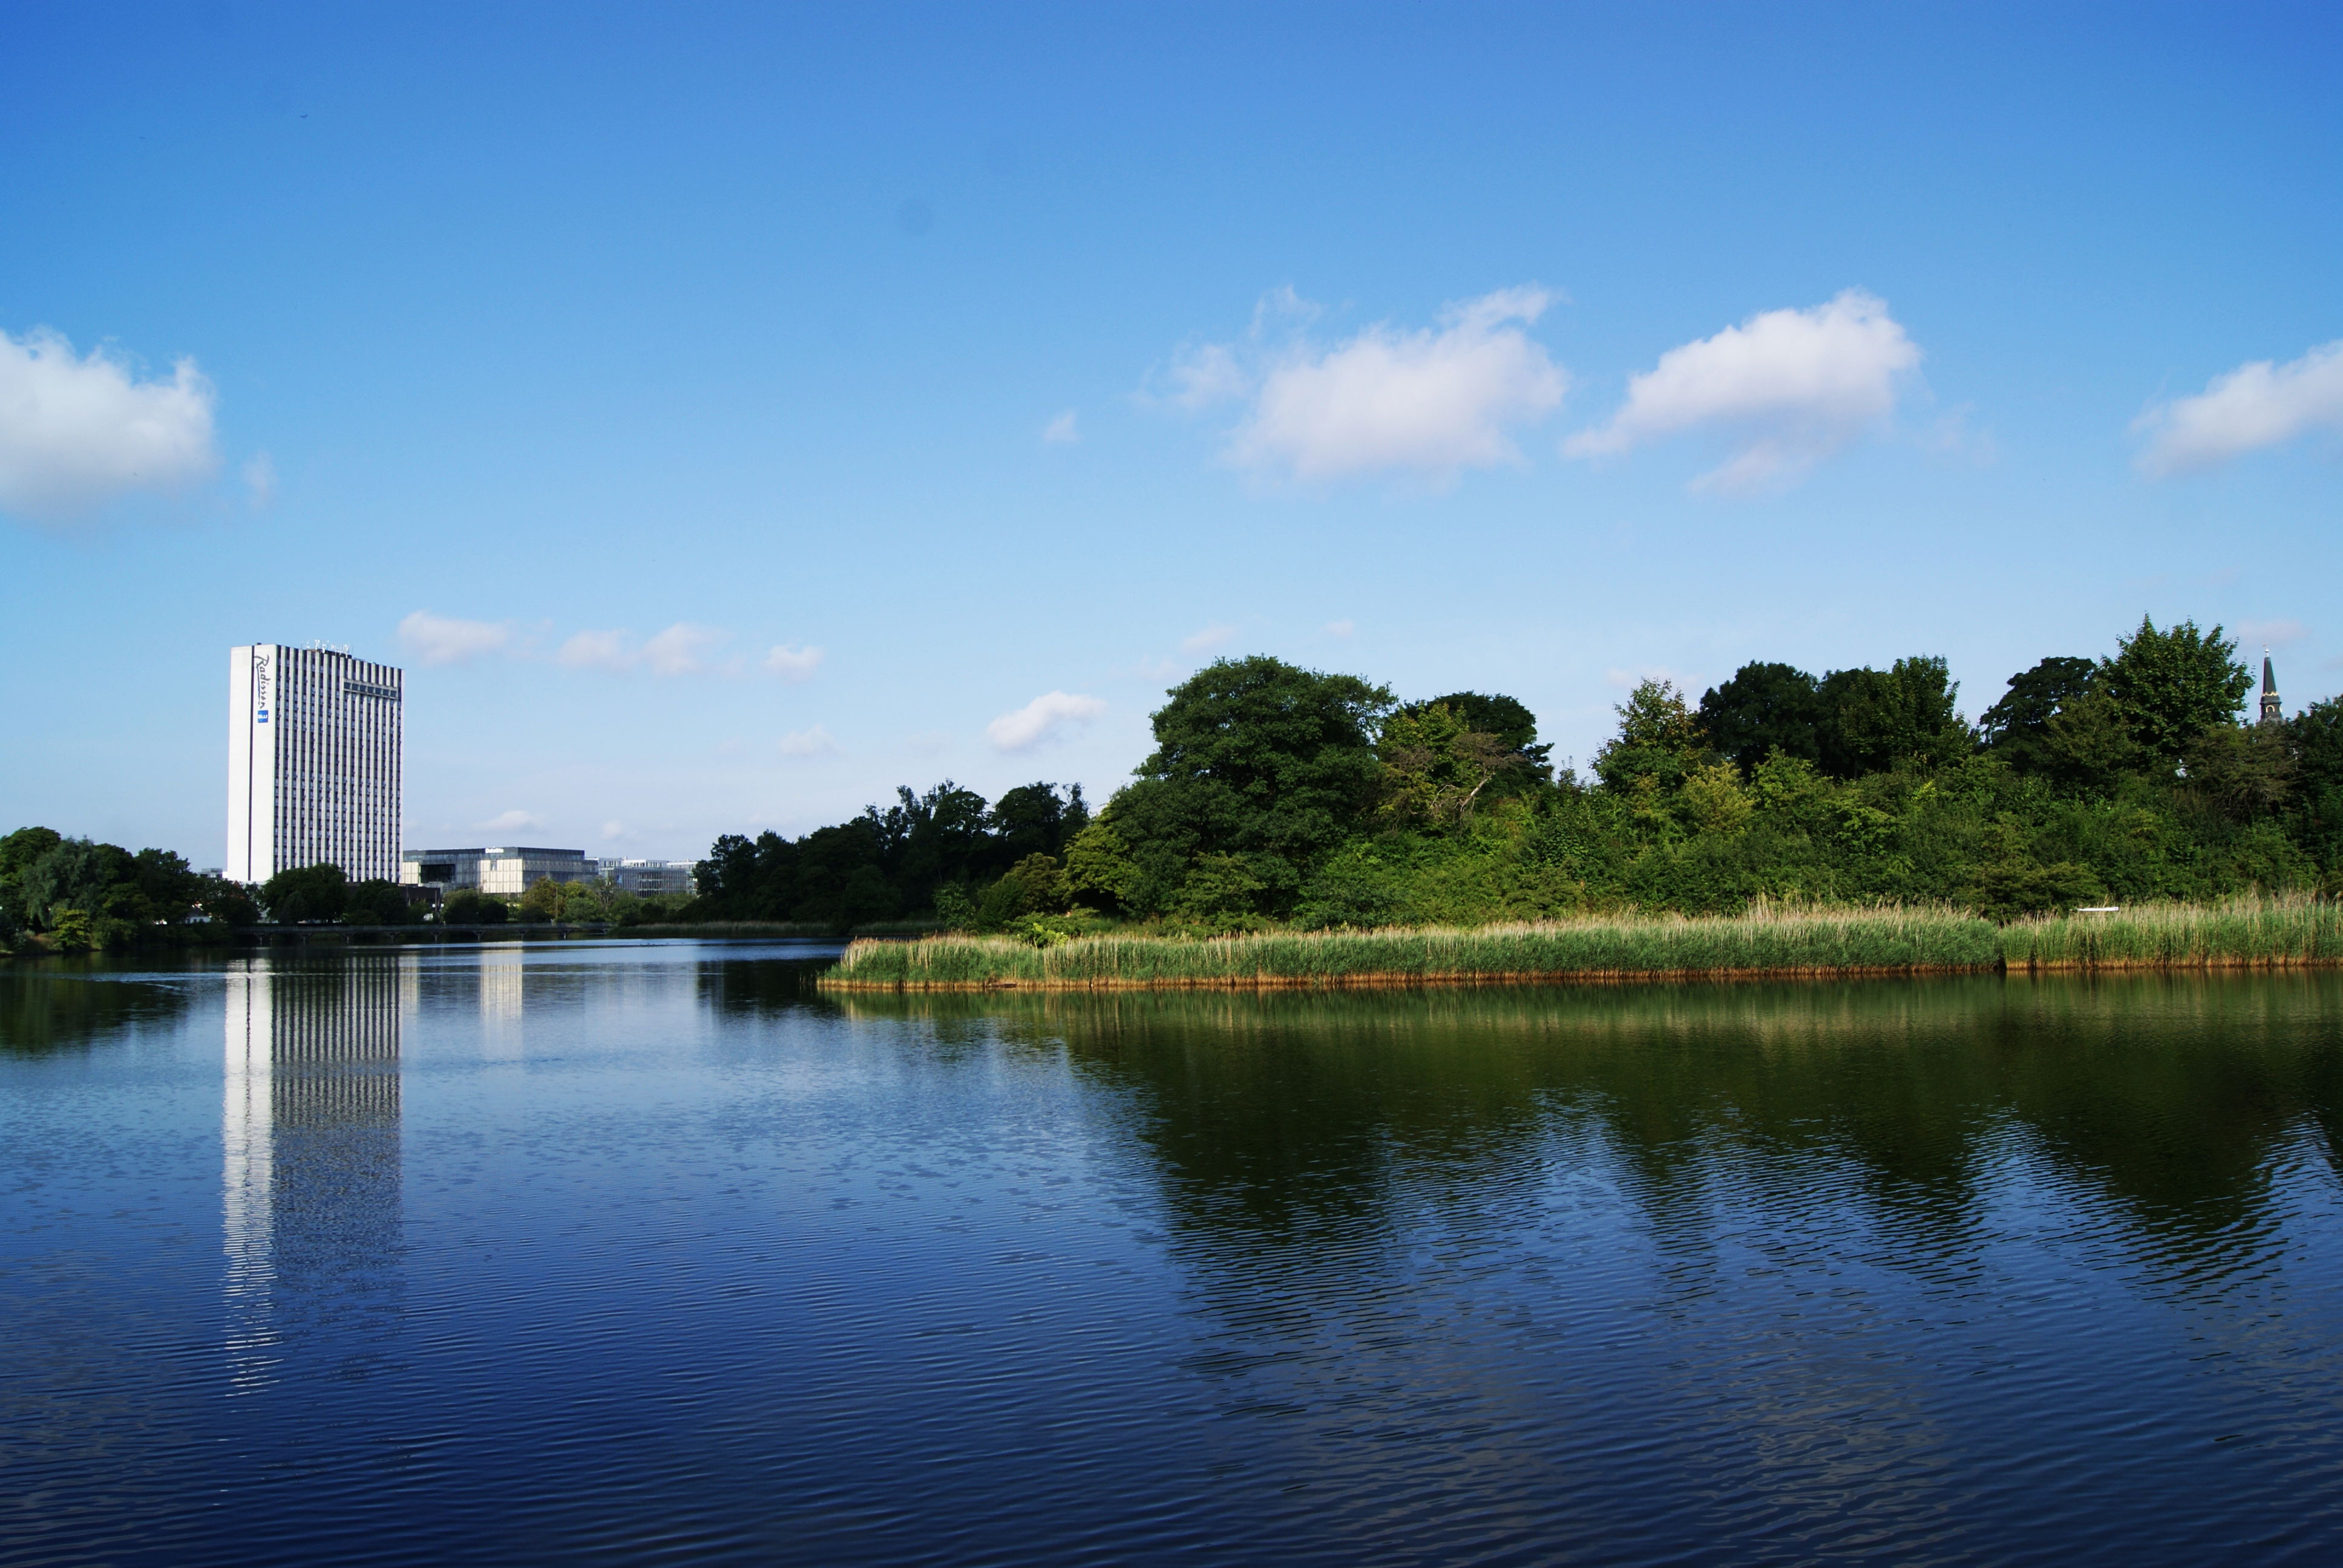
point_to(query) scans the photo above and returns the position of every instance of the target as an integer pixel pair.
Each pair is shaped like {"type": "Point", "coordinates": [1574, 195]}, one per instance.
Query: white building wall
{"type": "Point", "coordinates": [314, 742]}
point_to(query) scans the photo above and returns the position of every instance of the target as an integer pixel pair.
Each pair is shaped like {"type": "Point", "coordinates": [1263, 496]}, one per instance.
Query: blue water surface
{"type": "Point", "coordinates": [649, 1252]}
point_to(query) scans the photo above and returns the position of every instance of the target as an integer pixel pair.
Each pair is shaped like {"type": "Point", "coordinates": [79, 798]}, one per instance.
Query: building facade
{"type": "Point", "coordinates": [645, 877]}
{"type": "Point", "coordinates": [507, 872]}
{"type": "Point", "coordinates": [313, 762]}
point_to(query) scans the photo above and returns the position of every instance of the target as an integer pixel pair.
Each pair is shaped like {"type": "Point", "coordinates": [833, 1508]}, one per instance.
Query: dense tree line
{"type": "Point", "coordinates": [946, 844]}
{"type": "Point", "coordinates": [1279, 795]}
{"type": "Point", "coordinates": [81, 894]}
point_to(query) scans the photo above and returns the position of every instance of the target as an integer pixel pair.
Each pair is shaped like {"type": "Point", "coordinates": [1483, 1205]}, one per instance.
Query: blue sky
{"type": "Point", "coordinates": [728, 414]}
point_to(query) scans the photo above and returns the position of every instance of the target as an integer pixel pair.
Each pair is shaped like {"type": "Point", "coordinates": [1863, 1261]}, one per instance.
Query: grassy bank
{"type": "Point", "coordinates": [2238, 933]}
{"type": "Point", "coordinates": [1842, 942]}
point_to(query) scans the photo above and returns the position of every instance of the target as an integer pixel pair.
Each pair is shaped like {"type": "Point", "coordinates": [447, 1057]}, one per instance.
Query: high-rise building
{"type": "Point", "coordinates": [312, 762]}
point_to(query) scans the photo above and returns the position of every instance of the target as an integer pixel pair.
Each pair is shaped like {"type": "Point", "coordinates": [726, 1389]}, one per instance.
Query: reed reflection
{"type": "Point", "coordinates": [311, 1185]}
{"type": "Point", "coordinates": [2166, 1101]}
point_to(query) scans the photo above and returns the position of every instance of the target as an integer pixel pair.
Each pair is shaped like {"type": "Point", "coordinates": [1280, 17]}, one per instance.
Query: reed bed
{"type": "Point", "coordinates": [2250, 932]}
{"type": "Point", "coordinates": [1767, 943]}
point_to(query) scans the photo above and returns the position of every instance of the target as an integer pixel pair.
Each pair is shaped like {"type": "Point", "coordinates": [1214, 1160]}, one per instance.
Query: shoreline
{"type": "Point", "coordinates": [1456, 978]}
{"type": "Point", "coordinates": [1768, 944]}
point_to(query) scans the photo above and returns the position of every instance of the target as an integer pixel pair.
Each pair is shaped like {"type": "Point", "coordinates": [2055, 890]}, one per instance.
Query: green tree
{"type": "Point", "coordinates": [470, 907]}
{"type": "Point", "coordinates": [306, 893]}
{"type": "Point", "coordinates": [2245, 771]}
{"type": "Point", "coordinates": [18, 850]}
{"type": "Point", "coordinates": [2017, 727]}
{"type": "Point", "coordinates": [1035, 885]}
{"type": "Point", "coordinates": [2171, 686]}
{"type": "Point", "coordinates": [99, 879]}
{"type": "Point", "coordinates": [1436, 767]}
{"type": "Point", "coordinates": [1257, 758]}
{"type": "Point", "coordinates": [1877, 718]}
{"type": "Point", "coordinates": [376, 901]}
{"type": "Point", "coordinates": [1515, 730]}
{"type": "Point", "coordinates": [1659, 740]}
{"type": "Point", "coordinates": [1100, 870]}
{"type": "Point", "coordinates": [1764, 708]}
{"type": "Point", "coordinates": [542, 901]}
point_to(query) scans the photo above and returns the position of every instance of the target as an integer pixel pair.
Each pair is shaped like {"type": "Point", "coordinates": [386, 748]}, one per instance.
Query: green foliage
{"type": "Point", "coordinates": [2005, 889]}
{"type": "Point", "coordinates": [1254, 759]}
{"type": "Point", "coordinates": [1514, 725]}
{"type": "Point", "coordinates": [2171, 686]}
{"type": "Point", "coordinates": [1264, 802]}
{"type": "Point", "coordinates": [2017, 727]}
{"type": "Point", "coordinates": [2248, 930]}
{"type": "Point", "coordinates": [1658, 744]}
{"type": "Point", "coordinates": [377, 901]}
{"type": "Point", "coordinates": [470, 907]}
{"type": "Point", "coordinates": [316, 892]}
{"type": "Point", "coordinates": [1223, 892]}
{"type": "Point", "coordinates": [1763, 709]}
{"type": "Point", "coordinates": [1879, 718]}
{"type": "Point", "coordinates": [1035, 885]}
{"type": "Point", "coordinates": [1871, 940]}
{"type": "Point", "coordinates": [885, 862]}
{"type": "Point", "coordinates": [1100, 870]}
{"type": "Point", "coordinates": [541, 903]}
{"type": "Point", "coordinates": [955, 908]}
{"type": "Point", "coordinates": [1435, 765]}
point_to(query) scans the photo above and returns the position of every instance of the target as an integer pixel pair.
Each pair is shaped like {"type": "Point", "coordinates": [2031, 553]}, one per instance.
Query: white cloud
{"type": "Point", "coordinates": [260, 479]}
{"type": "Point", "coordinates": [1061, 430]}
{"type": "Point", "coordinates": [596, 650]}
{"type": "Point", "coordinates": [678, 650]}
{"type": "Point", "coordinates": [815, 742]}
{"type": "Point", "coordinates": [613, 831]}
{"type": "Point", "coordinates": [2260, 404]}
{"type": "Point", "coordinates": [681, 649]}
{"type": "Point", "coordinates": [1211, 639]}
{"type": "Point", "coordinates": [792, 664]}
{"type": "Point", "coordinates": [443, 639]}
{"type": "Point", "coordinates": [2272, 633]}
{"type": "Point", "coordinates": [1795, 385]}
{"type": "Point", "coordinates": [1428, 402]}
{"type": "Point", "coordinates": [1041, 719]}
{"type": "Point", "coordinates": [76, 433]}
{"type": "Point", "coordinates": [1340, 627]}
{"type": "Point", "coordinates": [505, 821]}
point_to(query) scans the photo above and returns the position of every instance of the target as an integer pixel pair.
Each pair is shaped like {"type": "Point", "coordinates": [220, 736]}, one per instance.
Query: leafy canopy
{"type": "Point", "coordinates": [1253, 757]}
{"type": "Point", "coordinates": [2171, 686]}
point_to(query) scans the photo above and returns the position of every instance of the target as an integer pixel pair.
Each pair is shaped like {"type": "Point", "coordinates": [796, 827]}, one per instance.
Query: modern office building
{"type": "Point", "coordinates": [644, 878]}
{"type": "Point", "coordinates": [509, 872]}
{"type": "Point", "coordinates": [313, 740]}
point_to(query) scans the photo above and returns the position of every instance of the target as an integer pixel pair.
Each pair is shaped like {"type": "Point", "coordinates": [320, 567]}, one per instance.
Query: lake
{"type": "Point", "coordinates": [634, 1253]}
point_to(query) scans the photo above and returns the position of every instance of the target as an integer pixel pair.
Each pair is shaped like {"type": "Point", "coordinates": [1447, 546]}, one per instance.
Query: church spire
{"type": "Point", "coordinates": [2270, 713]}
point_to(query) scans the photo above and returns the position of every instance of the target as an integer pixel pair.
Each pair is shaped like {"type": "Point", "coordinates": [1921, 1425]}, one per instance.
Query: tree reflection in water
{"type": "Point", "coordinates": [1309, 1120]}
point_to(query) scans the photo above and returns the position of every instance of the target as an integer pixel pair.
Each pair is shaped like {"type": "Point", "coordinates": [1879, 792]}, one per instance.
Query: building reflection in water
{"type": "Point", "coordinates": [502, 995]}
{"type": "Point", "coordinates": [311, 1179]}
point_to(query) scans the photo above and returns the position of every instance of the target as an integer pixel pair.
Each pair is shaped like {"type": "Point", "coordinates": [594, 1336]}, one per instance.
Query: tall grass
{"type": "Point", "coordinates": [1768, 943]}
{"type": "Point", "coordinates": [2240, 932]}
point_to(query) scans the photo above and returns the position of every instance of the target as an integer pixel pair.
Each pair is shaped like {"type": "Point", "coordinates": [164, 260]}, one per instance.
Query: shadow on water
{"type": "Point", "coordinates": [1290, 1119]}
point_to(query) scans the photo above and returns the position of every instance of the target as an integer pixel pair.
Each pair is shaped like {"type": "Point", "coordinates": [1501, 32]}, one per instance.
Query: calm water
{"type": "Point", "coordinates": [632, 1253]}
